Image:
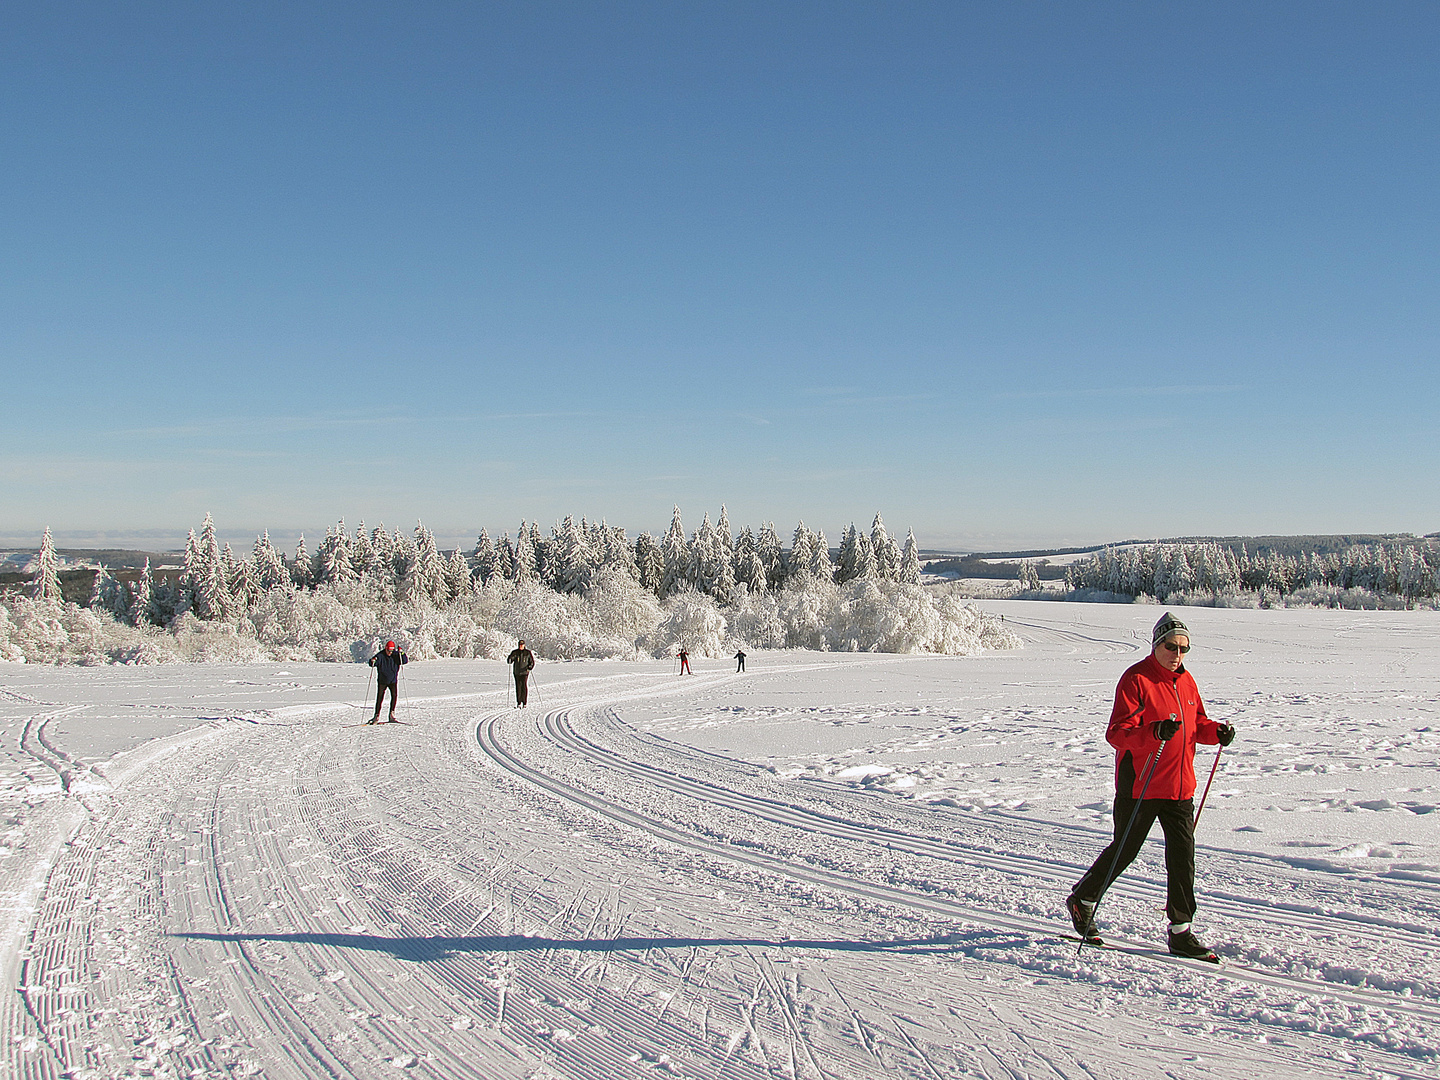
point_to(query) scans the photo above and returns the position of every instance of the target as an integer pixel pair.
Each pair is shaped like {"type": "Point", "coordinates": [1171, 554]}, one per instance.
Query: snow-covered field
{"type": "Point", "coordinates": [842, 866]}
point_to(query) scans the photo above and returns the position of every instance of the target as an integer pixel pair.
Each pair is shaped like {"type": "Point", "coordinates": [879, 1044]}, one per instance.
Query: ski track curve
{"type": "Point", "coordinates": [1366, 989]}
{"type": "Point", "coordinates": [1421, 931]}
{"type": "Point", "coordinates": [553, 894]}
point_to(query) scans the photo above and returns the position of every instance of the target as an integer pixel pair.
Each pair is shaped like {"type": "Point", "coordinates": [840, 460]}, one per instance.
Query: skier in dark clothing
{"type": "Point", "coordinates": [1155, 725]}
{"type": "Point", "coordinates": [522, 662]}
{"type": "Point", "coordinates": [387, 672]}
{"type": "Point", "coordinates": [684, 662]}
{"type": "Point", "coordinates": [740, 661]}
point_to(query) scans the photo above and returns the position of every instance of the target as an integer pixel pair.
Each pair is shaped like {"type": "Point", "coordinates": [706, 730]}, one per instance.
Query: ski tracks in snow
{"type": "Point", "coordinates": [551, 894]}
{"type": "Point", "coordinates": [851, 844]}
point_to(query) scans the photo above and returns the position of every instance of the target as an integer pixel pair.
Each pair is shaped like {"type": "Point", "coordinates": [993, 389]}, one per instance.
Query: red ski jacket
{"type": "Point", "coordinates": [1147, 692]}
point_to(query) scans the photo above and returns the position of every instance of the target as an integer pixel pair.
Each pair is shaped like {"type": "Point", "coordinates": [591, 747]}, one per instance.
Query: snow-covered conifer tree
{"type": "Point", "coordinates": [302, 568]}
{"type": "Point", "coordinates": [1029, 576]}
{"type": "Point", "coordinates": [405, 559]}
{"type": "Point", "coordinates": [47, 570]}
{"type": "Point", "coordinates": [726, 537]}
{"type": "Point", "coordinates": [360, 551]}
{"type": "Point", "coordinates": [802, 552]}
{"type": "Point", "coordinates": [866, 567]}
{"type": "Point", "coordinates": [487, 563]}
{"type": "Point", "coordinates": [211, 599]}
{"type": "Point", "coordinates": [227, 564]}
{"type": "Point", "coordinates": [270, 569]}
{"type": "Point", "coordinates": [429, 568]}
{"type": "Point", "coordinates": [706, 555]}
{"type": "Point", "coordinates": [505, 557]}
{"type": "Point", "coordinates": [722, 588]}
{"type": "Point", "coordinates": [573, 562]}
{"type": "Point", "coordinates": [457, 574]}
{"type": "Point", "coordinates": [142, 597]}
{"type": "Point", "coordinates": [541, 547]}
{"type": "Point", "coordinates": [244, 585]}
{"type": "Point", "coordinates": [614, 551]}
{"type": "Point", "coordinates": [887, 552]}
{"type": "Point", "coordinates": [750, 571]}
{"type": "Point", "coordinates": [767, 546]}
{"type": "Point", "coordinates": [649, 562]}
{"type": "Point", "coordinates": [845, 561]}
{"type": "Point", "coordinates": [676, 563]}
{"type": "Point", "coordinates": [382, 556]}
{"type": "Point", "coordinates": [334, 557]}
{"type": "Point", "coordinates": [821, 568]}
{"type": "Point", "coordinates": [182, 590]}
{"type": "Point", "coordinates": [909, 572]}
{"type": "Point", "coordinates": [524, 555]}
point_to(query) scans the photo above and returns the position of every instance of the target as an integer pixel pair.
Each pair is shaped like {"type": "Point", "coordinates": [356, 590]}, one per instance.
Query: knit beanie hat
{"type": "Point", "coordinates": [1168, 625]}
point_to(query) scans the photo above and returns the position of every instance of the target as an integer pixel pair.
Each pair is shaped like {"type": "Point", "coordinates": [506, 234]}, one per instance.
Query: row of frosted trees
{"type": "Point", "coordinates": [1407, 570]}
{"type": "Point", "coordinates": [215, 583]}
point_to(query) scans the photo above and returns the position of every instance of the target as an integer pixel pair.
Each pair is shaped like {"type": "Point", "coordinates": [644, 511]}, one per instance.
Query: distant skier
{"type": "Point", "coordinates": [1157, 720]}
{"type": "Point", "coordinates": [740, 661]}
{"type": "Point", "coordinates": [387, 672]}
{"type": "Point", "coordinates": [684, 662]}
{"type": "Point", "coordinates": [522, 662]}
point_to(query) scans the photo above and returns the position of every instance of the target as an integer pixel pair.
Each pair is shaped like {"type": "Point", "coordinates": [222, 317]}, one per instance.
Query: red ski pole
{"type": "Point", "coordinates": [1218, 751]}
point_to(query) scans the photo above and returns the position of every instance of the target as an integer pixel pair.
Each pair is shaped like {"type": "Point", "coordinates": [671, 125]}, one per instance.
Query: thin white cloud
{"type": "Point", "coordinates": [1120, 392]}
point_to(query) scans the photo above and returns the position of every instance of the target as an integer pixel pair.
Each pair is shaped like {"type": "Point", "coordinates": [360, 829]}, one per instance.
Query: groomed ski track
{"type": "Point", "coordinates": [556, 893]}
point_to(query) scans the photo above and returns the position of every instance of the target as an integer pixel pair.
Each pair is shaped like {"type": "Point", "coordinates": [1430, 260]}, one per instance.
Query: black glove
{"type": "Point", "coordinates": [1165, 729]}
{"type": "Point", "coordinates": [1224, 734]}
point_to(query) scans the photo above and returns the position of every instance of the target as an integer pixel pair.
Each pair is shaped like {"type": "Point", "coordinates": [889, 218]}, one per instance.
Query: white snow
{"type": "Point", "coordinates": [833, 865]}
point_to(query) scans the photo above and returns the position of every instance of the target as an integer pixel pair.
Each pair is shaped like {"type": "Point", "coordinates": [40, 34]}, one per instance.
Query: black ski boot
{"type": "Point", "coordinates": [1185, 943]}
{"type": "Point", "coordinates": [1082, 917]}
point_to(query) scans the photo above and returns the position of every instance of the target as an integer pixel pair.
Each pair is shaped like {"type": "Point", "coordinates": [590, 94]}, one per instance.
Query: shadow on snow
{"type": "Point", "coordinates": [425, 949]}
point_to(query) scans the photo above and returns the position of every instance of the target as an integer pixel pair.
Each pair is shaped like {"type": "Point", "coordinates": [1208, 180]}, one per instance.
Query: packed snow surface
{"type": "Point", "coordinates": [830, 866]}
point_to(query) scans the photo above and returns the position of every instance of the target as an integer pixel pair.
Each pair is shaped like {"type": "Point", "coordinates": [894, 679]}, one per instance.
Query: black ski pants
{"type": "Point", "coordinates": [522, 687]}
{"type": "Point", "coordinates": [1177, 818]}
{"type": "Point", "coordinates": [380, 696]}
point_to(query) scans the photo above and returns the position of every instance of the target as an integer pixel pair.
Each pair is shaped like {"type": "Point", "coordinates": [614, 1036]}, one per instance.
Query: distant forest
{"type": "Point", "coordinates": [1005, 565]}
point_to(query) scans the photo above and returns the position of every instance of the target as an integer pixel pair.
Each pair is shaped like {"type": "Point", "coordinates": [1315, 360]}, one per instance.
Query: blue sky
{"type": "Point", "coordinates": [1010, 274]}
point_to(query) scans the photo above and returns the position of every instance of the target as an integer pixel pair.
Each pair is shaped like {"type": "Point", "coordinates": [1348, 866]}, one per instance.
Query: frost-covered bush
{"type": "Point", "coordinates": [557, 626]}
{"type": "Point", "coordinates": [691, 620]}
{"type": "Point", "coordinates": [10, 653]}
{"type": "Point", "coordinates": [886, 616]}
{"type": "Point", "coordinates": [809, 608]}
{"type": "Point", "coordinates": [323, 624]}
{"type": "Point", "coordinates": [618, 608]}
{"type": "Point", "coordinates": [865, 615]}
{"type": "Point", "coordinates": [755, 621]}
{"type": "Point", "coordinates": [197, 640]}
{"type": "Point", "coordinates": [1352, 599]}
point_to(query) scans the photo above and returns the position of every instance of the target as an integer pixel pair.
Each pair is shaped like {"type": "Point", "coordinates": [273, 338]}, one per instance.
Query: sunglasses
{"type": "Point", "coordinates": [1172, 647]}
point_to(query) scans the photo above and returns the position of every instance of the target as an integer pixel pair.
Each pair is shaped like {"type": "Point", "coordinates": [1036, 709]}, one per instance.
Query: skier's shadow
{"type": "Point", "coordinates": [429, 949]}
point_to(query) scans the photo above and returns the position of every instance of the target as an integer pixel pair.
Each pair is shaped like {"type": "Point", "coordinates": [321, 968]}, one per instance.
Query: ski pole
{"type": "Point", "coordinates": [366, 702]}
{"type": "Point", "coordinates": [1218, 751]}
{"type": "Point", "coordinates": [1120, 847]}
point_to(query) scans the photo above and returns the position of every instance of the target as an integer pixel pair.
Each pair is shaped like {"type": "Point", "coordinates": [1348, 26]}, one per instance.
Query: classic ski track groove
{"type": "Point", "coordinates": [558, 728]}
{"type": "Point", "coordinates": [554, 725]}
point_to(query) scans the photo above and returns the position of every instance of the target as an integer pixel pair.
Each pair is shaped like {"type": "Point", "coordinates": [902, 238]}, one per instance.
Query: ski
{"type": "Point", "coordinates": [1139, 950]}
{"type": "Point", "coordinates": [380, 723]}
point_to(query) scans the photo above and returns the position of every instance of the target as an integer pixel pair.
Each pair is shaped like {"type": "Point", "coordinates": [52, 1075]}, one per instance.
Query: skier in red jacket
{"type": "Point", "coordinates": [1157, 711]}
